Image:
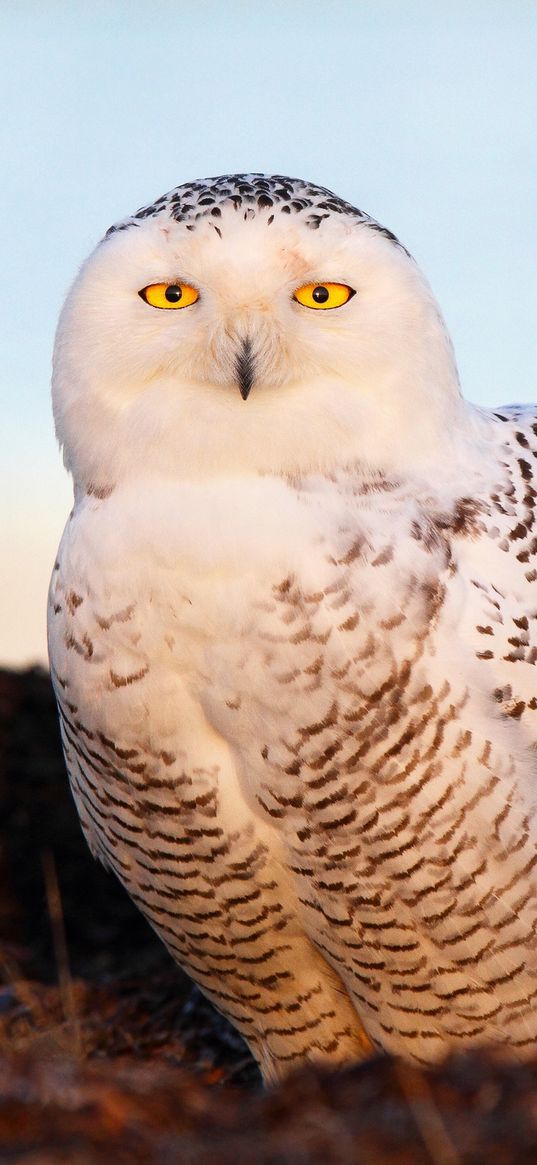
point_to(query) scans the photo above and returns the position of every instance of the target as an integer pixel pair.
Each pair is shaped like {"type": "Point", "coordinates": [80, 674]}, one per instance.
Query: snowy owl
{"type": "Point", "coordinates": [293, 626]}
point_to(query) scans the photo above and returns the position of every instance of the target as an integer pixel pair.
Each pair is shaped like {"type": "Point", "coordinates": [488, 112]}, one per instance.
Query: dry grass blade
{"type": "Point", "coordinates": [55, 909]}
{"type": "Point", "coordinates": [427, 1116]}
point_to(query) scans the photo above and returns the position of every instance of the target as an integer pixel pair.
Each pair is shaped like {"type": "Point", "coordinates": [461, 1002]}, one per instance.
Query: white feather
{"type": "Point", "coordinates": [293, 637]}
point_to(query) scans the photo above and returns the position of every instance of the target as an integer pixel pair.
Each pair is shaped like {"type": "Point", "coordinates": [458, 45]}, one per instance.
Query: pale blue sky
{"type": "Point", "coordinates": [421, 112]}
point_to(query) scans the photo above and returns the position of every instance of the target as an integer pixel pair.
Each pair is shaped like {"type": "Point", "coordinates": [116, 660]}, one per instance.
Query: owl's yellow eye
{"type": "Point", "coordinates": [169, 295]}
{"type": "Point", "coordinates": [323, 295]}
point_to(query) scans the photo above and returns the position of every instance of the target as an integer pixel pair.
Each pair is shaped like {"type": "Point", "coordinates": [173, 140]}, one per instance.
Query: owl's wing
{"type": "Point", "coordinates": [392, 740]}
{"type": "Point", "coordinates": [495, 549]}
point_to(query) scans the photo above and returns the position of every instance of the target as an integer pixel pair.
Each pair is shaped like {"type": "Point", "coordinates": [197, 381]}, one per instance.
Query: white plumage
{"type": "Point", "coordinates": [292, 627]}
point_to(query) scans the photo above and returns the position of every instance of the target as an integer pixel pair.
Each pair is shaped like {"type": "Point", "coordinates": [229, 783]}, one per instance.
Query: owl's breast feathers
{"type": "Point", "coordinates": [299, 721]}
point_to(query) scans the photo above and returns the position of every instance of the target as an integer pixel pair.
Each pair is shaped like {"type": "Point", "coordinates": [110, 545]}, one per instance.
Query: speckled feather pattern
{"type": "Point", "coordinates": [298, 692]}
{"type": "Point", "coordinates": [248, 195]}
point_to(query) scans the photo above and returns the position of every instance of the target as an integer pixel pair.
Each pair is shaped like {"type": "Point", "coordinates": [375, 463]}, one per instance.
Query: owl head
{"type": "Point", "coordinates": [246, 324]}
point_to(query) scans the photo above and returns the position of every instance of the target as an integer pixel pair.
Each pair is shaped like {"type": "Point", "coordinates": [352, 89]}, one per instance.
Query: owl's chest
{"type": "Point", "coordinates": [233, 591]}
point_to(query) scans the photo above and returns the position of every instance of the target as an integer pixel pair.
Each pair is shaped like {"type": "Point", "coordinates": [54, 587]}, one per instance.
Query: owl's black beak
{"type": "Point", "coordinates": [245, 367]}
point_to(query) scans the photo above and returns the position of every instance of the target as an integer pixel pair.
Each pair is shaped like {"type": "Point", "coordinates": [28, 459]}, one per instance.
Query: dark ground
{"type": "Point", "coordinates": [109, 1054]}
